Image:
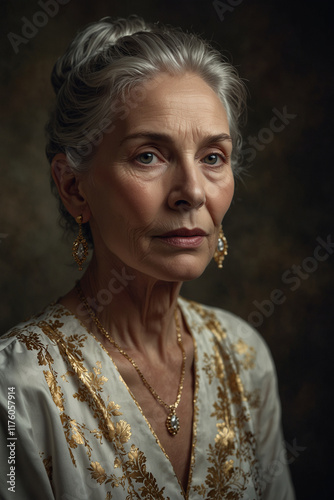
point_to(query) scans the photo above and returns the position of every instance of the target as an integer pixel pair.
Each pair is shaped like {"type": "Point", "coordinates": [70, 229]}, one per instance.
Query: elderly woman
{"type": "Point", "coordinates": [122, 389]}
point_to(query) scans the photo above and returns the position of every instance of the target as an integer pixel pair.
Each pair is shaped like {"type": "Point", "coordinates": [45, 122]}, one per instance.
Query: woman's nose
{"type": "Point", "coordinates": [188, 185]}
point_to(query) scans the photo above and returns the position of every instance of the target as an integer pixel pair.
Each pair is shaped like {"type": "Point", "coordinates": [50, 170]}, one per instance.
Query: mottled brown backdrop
{"type": "Point", "coordinates": [281, 208]}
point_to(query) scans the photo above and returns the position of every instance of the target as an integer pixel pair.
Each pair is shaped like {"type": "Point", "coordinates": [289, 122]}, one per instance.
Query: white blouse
{"type": "Point", "coordinates": [71, 428]}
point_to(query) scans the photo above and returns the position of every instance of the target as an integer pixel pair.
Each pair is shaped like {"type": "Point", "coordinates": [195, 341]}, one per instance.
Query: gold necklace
{"type": "Point", "coordinates": [172, 421]}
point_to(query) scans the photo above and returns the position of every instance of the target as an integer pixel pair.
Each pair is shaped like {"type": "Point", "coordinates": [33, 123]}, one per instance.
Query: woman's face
{"type": "Point", "coordinates": [162, 182]}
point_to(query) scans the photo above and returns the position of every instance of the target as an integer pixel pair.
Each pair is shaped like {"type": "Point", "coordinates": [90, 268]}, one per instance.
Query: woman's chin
{"type": "Point", "coordinates": [172, 269]}
{"type": "Point", "coordinates": [186, 268]}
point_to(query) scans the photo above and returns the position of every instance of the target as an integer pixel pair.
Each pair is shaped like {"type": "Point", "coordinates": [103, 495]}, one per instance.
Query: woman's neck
{"type": "Point", "coordinates": [136, 310]}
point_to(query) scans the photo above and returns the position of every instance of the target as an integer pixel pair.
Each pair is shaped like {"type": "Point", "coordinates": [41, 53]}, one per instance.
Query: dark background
{"type": "Point", "coordinates": [283, 51]}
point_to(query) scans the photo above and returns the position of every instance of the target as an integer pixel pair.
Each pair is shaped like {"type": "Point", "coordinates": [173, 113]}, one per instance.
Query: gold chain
{"type": "Point", "coordinates": [172, 422]}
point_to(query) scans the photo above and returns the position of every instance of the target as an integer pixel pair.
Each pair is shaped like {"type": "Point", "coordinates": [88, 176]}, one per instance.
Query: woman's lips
{"type": "Point", "coordinates": [184, 237]}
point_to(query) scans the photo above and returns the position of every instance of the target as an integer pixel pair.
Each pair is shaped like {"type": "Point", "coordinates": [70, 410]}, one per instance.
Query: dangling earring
{"type": "Point", "coordinates": [221, 251]}
{"type": "Point", "coordinates": [80, 247]}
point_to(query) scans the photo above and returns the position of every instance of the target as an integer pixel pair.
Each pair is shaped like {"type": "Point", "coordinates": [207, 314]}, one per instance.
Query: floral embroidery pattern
{"type": "Point", "coordinates": [231, 463]}
{"type": "Point", "coordinates": [132, 464]}
{"type": "Point", "coordinates": [248, 353]}
{"type": "Point", "coordinates": [135, 468]}
{"type": "Point", "coordinates": [232, 457]}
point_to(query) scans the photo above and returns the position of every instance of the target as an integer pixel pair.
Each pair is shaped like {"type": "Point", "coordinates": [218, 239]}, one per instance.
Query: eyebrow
{"type": "Point", "coordinates": [160, 137]}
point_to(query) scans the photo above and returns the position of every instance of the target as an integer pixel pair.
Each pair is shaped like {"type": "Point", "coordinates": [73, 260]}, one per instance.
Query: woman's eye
{"type": "Point", "coordinates": [214, 159]}
{"type": "Point", "coordinates": [147, 158]}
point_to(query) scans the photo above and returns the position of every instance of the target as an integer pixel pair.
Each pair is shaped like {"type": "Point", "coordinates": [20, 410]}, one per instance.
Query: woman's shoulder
{"type": "Point", "coordinates": [34, 351]}
{"type": "Point", "coordinates": [49, 315]}
{"type": "Point", "coordinates": [230, 331]}
{"type": "Point", "coordinates": [39, 333]}
{"type": "Point", "coordinates": [234, 326]}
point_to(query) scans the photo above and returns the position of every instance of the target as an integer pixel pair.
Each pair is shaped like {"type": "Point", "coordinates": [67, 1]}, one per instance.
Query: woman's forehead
{"type": "Point", "coordinates": [177, 104]}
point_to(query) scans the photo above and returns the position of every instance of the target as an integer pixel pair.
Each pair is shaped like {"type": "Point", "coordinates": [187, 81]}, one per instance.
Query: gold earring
{"type": "Point", "coordinates": [221, 250]}
{"type": "Point", "coordinates": [80, 246]}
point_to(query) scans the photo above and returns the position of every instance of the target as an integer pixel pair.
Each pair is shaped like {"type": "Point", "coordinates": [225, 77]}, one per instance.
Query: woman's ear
{"type": "Point", "coordinates": [69, 185]}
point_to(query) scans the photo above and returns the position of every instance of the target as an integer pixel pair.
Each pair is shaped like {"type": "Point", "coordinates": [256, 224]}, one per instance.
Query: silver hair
{"type": "Point", "coordinates": [107, 70]}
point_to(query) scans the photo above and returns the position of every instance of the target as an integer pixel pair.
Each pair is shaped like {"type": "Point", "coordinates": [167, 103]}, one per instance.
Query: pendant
{"type": "Point", "coordinates": [173, 423]}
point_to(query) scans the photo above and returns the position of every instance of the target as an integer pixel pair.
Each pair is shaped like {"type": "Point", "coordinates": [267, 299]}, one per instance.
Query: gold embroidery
{"type": "Point", "coordinates": [132, 465]}
{"type": "Point", "coordinates": [57, 395]}
{"type": "Point", "coordinates": [195, 419]}
{"type": "Point", "coordinates": [33, 343]}
{"type": "Point", "coordinates": [122, 433]}
{"type": "Point", "coordinates": [200, 489]}
{"type": "Point", "coordinates": [47, 462]}
{"type": "Point", "coordinates": [97, 472]}
{"type": "Point", "coordinates": [237, 388]}
{"type": "Point", "coordinates": [92, 379]}
{"type": "Point", "coordinates": [248, 353]}
{"type": "Point", "coordinates": [113, 409]}
{"type": "Point", "coordinates": [136, 469]}
{"type": "Point", "coordinates": [221, 406]}
{"type": "Point", "coordinates": [232, 456]}
{"type": "Point", "coordinates": [69, 373]}
{"type": "Point", "coordinates": [77, 436]}
{"type": "Point", "coordinates": [232, 464]}
{"type": "Point", "coordinates": [147, 422]}
{"type": "Point", "coordinates": [96, 379]}
{"type": "Point", "coordinates": [213, 366]}
{"type": "Point", "coordinates": [48, 465]}
{"type": "Point", "coordinates": [225, 436]}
